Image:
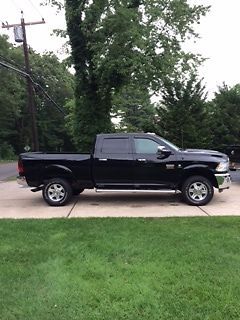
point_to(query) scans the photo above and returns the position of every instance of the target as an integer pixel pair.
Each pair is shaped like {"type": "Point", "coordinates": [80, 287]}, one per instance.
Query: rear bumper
{"type": "Point", "coordinates": [223, 180]}
{"type": "Point", "coordinates": [21, 180]}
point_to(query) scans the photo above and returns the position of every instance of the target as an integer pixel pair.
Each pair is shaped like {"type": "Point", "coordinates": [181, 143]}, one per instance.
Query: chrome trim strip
{"type": "Point", "coordinates": [137, 191]}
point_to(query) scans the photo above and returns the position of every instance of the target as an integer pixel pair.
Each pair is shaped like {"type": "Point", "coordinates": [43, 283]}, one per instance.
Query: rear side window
{"type": "Point", "coordinates": [115, 145]}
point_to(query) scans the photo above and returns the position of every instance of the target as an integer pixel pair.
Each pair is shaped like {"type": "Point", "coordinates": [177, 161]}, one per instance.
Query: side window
{"type": "Point", "coordinates": [115, 145]}
{"type": "Point", "coordinates": [145, 146]}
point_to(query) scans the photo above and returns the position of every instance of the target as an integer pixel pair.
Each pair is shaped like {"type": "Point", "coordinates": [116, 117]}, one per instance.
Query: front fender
{"type": "Point", "coordinates": [199, 170]}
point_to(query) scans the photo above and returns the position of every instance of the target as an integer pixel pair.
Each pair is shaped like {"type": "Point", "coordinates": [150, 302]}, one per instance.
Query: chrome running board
{"type": "Point", "coordinates": [137, 191]}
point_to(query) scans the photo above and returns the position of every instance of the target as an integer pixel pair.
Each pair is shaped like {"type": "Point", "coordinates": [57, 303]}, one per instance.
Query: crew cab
{"type": "Point", "coordinates": [129, 162]}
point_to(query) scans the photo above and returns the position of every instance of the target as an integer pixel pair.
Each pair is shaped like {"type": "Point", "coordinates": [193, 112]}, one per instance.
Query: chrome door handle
{"type": "Point", "coordinates": [141, 160]}
{"type": "Point", "coordinates": [102, 159]}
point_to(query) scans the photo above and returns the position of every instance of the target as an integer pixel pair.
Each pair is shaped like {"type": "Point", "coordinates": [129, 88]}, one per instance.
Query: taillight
{"type": "Point", "coordinates": [20, 167]}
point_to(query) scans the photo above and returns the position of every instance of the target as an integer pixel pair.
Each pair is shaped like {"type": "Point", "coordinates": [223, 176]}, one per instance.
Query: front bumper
{"type": "Point", "coordinates": [21, 180]}
{"type": "Point", "coordinates": [223, 180]}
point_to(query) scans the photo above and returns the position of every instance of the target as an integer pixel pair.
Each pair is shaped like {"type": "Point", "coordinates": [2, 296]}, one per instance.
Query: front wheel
{"type": "Point", "coordinates": [197, 191]}
{"type": "Point", "coordinates": [57, 192]}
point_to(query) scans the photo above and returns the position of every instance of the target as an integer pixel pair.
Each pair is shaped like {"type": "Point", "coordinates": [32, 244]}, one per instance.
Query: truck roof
{"type": "Point", "coordinates": [122, 134]}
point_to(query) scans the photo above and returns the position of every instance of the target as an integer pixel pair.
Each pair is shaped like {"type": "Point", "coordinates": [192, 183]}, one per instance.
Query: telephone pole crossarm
{"type": "Point", "coordinates": [8, 26]}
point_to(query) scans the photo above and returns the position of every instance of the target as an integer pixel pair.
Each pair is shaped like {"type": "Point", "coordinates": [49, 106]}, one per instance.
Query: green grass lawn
{"type": "Point", "coordinates": [7, 161]}
{"type": "Point", "coordinates": [120, 269]}
{"type": "Point", "coordinates": [13, 178]}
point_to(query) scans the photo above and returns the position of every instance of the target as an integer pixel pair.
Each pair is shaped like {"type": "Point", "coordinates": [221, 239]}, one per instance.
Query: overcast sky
{"type": "Point", "coordinates": [219, 33]}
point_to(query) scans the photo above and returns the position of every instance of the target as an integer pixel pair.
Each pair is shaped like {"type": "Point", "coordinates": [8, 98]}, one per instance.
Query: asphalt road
{"type": "Point", "coordinates": [8, 170]}
{"type": "Point", "coordinates": [235, 176]}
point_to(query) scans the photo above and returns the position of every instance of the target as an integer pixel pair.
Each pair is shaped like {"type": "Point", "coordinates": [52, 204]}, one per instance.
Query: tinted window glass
{"type": "Point", "coordinates": [115, 145]}
{"type": "Point", "coordinates": [145, 146]}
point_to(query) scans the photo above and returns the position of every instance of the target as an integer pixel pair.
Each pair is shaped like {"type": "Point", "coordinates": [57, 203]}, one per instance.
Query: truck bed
{"type": "Point", "coordinates": [39, 166]}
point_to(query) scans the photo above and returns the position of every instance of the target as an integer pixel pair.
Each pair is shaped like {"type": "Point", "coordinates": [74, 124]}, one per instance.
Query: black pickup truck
{"type": "Point", "coordinates": [126, 162]}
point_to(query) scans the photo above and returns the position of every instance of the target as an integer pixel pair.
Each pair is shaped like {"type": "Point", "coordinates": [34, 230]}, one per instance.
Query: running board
{"type": "Point", "coordinates": [37, 189]}
{"type": "Point", "coordinates": [137, 191]}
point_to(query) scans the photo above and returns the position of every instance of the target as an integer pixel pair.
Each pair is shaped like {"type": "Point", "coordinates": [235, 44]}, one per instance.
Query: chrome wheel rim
{"type": "Point", "coordinates": [198, 191]}
{"type": "Point", "coordinates": [56, 192]}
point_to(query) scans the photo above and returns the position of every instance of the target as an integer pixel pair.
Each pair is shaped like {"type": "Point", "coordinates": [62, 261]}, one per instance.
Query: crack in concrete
{"type": "Point", "coordinates": [204, 211]}
{"type": "Point", "coordinates": [68, 215]}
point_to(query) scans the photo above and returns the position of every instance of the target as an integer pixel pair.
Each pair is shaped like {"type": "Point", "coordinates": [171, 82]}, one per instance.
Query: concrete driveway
{"type": "Point", "coordinates": [21, 203]}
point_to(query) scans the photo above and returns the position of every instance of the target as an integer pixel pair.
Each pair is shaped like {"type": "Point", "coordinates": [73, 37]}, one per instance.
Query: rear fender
{"type": "Point", "coordinates": [58, 171]}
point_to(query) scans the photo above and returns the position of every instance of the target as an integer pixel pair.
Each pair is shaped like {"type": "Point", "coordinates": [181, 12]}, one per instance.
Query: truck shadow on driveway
{"type": "Point", "coordinates": [133, 200]}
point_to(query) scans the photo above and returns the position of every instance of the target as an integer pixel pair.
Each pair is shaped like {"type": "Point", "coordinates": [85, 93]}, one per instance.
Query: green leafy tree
{"type": "Point", "coordinates": [120, 43]}
{"type": "Point", "coordinates": [12, 99]}
{"type": "Point", "coordinates": [15, 123]}
{"type": "Point", "coordinates": [183, 113]}
{"type": "Point", "coordinates": [57, 81]}
{"type": "Point", "coordinates": [224, 112]}
{"type": "Point", "coordinates": [134, 110]}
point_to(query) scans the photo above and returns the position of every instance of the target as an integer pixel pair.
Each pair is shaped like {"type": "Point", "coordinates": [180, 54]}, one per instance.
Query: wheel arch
{"type": "Point", "coordinates": [198, 171]}
{"type": "Point", "coordinates": [58, 171]}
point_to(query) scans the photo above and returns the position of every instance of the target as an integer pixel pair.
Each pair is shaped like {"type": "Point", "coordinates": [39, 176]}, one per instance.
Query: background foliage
{"type": "Point", "coordinates": [131, 74]}
{"type": "Point", "coordinates": [52, 75]}
{"type": "Point", "coordinates": [120, 48]}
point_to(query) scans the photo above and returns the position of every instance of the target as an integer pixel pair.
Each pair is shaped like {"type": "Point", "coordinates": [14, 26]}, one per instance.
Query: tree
{"type": "Point", "coordinates": [225, 116]}
{"type": "Point", "coordinates": [183, 114]}
{"type": "Point", "coordinates": [54, 77]}
{"type": "Point", "coordinates": [134, 111]}
{"type": "Point", "coordinates": [58, 82]}
{"type": "Point", "coordinates": [12, 98]}
{"type": "Point", "coordinates": [120, 43]}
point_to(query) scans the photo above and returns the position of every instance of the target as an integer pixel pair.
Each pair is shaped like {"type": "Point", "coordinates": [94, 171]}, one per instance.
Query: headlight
{"type": "Point", "coordinates": [222, 166]}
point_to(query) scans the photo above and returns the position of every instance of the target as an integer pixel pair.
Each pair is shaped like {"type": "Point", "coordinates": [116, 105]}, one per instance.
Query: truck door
{"type": "Point", "coordinates": [113, 162]}
{"type": "Point", "coordinates": [152, 169]}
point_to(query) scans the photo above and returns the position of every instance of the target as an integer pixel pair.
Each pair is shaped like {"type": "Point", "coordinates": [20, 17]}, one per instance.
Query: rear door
{"type": "Point", "coordinates": [113, 162]}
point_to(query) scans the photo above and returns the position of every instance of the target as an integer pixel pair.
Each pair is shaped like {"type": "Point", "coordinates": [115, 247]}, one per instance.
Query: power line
{"type": "Point", "coordinates": [60, 109]}
{"type": "Point", "coordinates": [21, 72]}
{"type": "Point", "coordinates": [15, 5]}
{"type": "Point", "coordinates": [35, 84]}
{"type": "Point", "coordinates": [35, 8]}
{"type": "Point", "coordinates": [11, 62]}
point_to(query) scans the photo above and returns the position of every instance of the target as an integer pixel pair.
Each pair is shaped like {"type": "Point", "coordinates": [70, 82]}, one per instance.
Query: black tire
{"type": "Point", "coordinates": [57, 192]}
{"type": "Point", "coordinates": [76, 192]}
{"type": "Point", "coordinates": [197, 191]}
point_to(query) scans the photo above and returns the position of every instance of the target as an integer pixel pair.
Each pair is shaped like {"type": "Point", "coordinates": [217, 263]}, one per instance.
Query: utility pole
{"type": "Point", "coordinates": [30, 103]}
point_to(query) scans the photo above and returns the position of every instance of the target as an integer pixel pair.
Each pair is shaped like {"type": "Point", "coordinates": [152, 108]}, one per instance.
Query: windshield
{"type": "Point", "coordinates": [171, 145]}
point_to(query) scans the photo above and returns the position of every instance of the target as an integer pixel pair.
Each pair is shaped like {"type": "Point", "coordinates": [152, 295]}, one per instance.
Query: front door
{"type": "Point", "coordinates": [152, 169]}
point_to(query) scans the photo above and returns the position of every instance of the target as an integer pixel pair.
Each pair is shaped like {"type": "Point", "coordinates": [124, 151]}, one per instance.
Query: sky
{"type": "Point", "coordinates": [219, 36]}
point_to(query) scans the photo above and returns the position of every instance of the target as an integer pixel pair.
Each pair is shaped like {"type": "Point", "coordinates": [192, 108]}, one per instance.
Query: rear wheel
{"type": "Point", "coordinates": [197, 191]}
{"type": "Point", "coordinates": [57, 192]}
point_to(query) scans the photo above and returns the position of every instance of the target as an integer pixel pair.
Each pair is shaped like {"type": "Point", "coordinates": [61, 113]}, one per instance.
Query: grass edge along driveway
{"type": "Point", "coordinates": [186, 268]}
